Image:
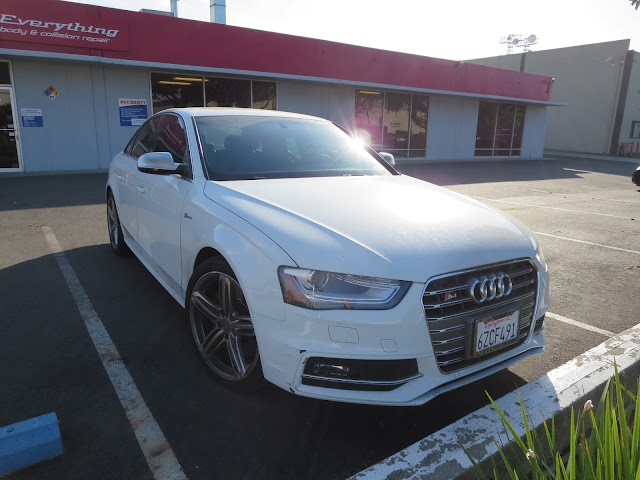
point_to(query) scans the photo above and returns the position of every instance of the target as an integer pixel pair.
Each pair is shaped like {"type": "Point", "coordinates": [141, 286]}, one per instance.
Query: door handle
{"type": "Point", "coordinates": [140, 189]}
{"type": "Point", "coordinates": [120, 178]}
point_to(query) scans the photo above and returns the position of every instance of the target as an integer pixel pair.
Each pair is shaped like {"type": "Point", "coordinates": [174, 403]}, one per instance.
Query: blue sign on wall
{"type": "Point", "coordinates": [31, 117]}
{"type": "Point", "coordinates": [133, 112]}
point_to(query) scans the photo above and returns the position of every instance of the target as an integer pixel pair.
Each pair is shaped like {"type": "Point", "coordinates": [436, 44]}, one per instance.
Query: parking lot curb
{"type": "Point", "coordinates": [440, 456]}
{"type": "Point", "coordinates": [31, 441]}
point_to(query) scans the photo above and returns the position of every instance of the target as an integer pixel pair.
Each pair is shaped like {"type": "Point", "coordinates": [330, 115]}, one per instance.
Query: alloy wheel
{"type": "Point", "coordinates": [113, 222]}
{"type": "Point", "coordinates": [222, 326]}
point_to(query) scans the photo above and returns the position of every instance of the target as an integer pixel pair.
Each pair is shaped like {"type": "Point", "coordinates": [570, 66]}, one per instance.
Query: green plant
{"type": "Point", "coordinates": [603, 445]}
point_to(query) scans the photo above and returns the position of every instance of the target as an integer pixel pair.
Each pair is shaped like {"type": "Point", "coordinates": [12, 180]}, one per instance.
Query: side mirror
{"type": "Point", "coordinates": [387, 157]}
{"type": "Point", "coordinates": [159, 163]}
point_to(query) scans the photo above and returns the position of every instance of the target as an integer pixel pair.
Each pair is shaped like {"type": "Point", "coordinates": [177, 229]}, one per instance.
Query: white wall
{"type": "Point", "coordinates": [333, 102]}
{"type": "Point", "coordinates": [535, 124]}
{"type": "Point", "coordinates": [82, 124]}
{"type": "Point", "coordinates": [632, 104]}
{"type": "Point", "coordinates": [451, 132]}
{"type": "Point", "coordinates": [588, 78]}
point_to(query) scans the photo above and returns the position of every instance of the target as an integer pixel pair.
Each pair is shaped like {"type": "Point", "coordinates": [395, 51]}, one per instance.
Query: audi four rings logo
{"type": "Point", "coordinates": [489, 288]}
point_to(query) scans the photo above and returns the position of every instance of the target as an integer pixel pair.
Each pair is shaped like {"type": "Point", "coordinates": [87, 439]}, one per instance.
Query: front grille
{"type": "Point", "coordinates": [450, 310]}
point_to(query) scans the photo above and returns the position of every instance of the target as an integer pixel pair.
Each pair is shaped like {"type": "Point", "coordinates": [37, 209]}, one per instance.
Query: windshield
{"type": "Point", "coordinates": [241, 147]}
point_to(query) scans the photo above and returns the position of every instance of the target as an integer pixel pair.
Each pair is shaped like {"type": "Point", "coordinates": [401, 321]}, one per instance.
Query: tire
{"type": "Point", "coordinates": [116, 237]}
{"type": "Point", "coordinates": [221, 326]}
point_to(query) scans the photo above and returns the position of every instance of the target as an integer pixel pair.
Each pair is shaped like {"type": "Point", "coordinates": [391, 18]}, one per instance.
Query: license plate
{"type": "Point", "coordinates": [494, 333]}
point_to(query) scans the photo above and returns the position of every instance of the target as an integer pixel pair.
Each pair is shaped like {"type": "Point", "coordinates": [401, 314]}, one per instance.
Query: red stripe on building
{"type": "Point", "coordinates": [160, 39]}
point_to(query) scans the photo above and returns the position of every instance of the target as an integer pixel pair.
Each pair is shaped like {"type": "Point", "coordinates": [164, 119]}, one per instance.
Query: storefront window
{"type": "Point", "coordinates": [500, 127]}
{"type": "Point", "coordinates": [368, 117]}
{"type": "Point", "coordinates": [392, 122]}
{"type": "Point", "coordinates": [419, 117]}
{"type": "Point", "coordinates": [5, 76]}
{"type": "Point", "coordinates": [227, 92]}
{"type": "Point", "coordinates": [264, 95]}
{"type": "Point", "coordinates": [175, 91]}
{"type": "Point", "coordinates": [396, 124]}
{"type": "Point", "coordinates": [186, 90]}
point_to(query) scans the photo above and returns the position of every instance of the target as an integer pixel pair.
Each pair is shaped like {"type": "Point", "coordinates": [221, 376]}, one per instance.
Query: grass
{"type": "Point", "coordinates": [604, 444]}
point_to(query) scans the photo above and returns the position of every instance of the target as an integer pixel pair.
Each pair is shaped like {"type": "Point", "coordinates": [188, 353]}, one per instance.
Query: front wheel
{"type": "Point", "coordinates": [116, 237]}
{"type": "Point", "coordinates": [221, 325]}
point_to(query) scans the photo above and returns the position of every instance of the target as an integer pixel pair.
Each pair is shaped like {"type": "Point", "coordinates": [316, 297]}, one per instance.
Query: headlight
{"type": "Point", "coordinates": [318, 290]}
{"type": "Point", "coordinates": [540, 258]}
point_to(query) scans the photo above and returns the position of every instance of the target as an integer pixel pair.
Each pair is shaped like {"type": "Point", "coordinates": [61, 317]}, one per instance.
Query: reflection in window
{"type": "Point", "coordinates": [396, 124]}
{"type": "Point", "coordinates": [175, 91]}
{"type": "Point", "coordinates": [5, 77]}
{"type": "Point", "coordinates": [264, 95]}
{"type": "Point", "coordinates": [186, 90]}
{"type": "Point", "coordinates": [635, 129]}
{"type": "Point", "coordinates": [393, 122]}
{"type": "Point", "coordinates": [500, 127]}
{"type": "Point", "coordinates": [172, 138]}
{"type": "Point", "coordinates": [227, 92]}
{"type": "Point", "coordinates": [368, 117]}
{"type": "Point", "coordinates": [419, 116]}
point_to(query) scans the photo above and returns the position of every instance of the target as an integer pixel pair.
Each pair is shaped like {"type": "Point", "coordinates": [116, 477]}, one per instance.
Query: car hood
{"type": "Point", "coordinates": [387, 226]}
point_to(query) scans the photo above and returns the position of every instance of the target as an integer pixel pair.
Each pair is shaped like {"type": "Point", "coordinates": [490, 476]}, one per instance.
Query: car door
{"type": "Point", "coordinates": [126, 172]}
{"type": "Point", "coordinates": [160, 204]}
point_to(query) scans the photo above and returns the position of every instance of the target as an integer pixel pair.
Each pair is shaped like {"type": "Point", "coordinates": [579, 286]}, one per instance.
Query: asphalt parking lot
{"type": "Point", "coordinates": [586, 215]}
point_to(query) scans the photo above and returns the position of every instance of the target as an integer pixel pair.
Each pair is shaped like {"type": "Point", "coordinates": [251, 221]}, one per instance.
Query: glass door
{"type": "Point", "coordinates": [9, 157]}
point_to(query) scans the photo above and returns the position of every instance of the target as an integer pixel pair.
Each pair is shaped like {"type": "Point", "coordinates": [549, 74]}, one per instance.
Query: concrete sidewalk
{"type": "Point", "coordinates": [440, 456]}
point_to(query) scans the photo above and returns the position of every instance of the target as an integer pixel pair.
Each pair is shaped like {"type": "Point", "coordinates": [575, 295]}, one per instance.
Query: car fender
{"type": "Point", "coordinates": [252, 255]}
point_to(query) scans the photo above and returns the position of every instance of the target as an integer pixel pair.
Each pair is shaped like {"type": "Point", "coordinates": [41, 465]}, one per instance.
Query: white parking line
{"type": "Point", "coordinates": [585, 196]}
{"type": "Point", "coordinates": [550, 208]}
{"type": "Point", "coordinates": [160, 457]}
{"type": "Point", "coordinates": [575, 323]}
{"type": "Point", "coordinates": [587, 243]}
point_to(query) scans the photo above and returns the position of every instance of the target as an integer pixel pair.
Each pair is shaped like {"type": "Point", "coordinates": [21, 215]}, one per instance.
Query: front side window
{"type": "Point", "coordinates": [143, 140]}
{"type": "Point", "coordinates": [172, 138]}
{"type": "Point", "coordinates": [499, 131]}
{"type": "Point", "coordinates": [239, 147]}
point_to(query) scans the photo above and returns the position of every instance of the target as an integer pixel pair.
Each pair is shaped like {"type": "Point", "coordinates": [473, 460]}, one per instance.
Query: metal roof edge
{"type": "Point", "coordinates": [283, 76]}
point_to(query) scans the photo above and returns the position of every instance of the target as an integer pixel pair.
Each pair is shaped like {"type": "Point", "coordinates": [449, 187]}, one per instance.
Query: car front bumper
{"type": "Point", "coordinates": [380, 357]}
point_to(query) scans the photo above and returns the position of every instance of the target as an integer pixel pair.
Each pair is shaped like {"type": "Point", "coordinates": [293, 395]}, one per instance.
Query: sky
{"type": "Point", "coordinates": [452, 29]}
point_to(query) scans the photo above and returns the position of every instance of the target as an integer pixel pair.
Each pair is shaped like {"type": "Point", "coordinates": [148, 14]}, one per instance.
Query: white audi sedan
{"type": "Point", "coordinates": [303, 258]}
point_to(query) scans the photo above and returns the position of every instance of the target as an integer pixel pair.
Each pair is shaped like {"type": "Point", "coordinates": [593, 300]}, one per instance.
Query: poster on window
{"type": "Point", "coordinates": [133, 112]}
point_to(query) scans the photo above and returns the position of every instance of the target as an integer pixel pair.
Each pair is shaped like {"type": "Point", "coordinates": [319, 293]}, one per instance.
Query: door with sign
{"type": "Point", "coordinates": [9, 149]}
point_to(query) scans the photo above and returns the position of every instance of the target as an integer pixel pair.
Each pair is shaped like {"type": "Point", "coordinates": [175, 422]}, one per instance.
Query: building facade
{"type": "Point", "coordinates": [77, 80]}
{"type": "Point", "coordinates": [601, 84]}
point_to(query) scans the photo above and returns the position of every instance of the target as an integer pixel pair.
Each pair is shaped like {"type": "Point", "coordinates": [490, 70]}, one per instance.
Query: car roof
{"type": "Point", "coordinates": [220, 111]}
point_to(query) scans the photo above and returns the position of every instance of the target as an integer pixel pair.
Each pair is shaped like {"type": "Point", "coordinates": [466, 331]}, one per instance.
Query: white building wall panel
{"type": "Point", "coordinates": [333, 102]}
{"type": "Point", "coordinates": [535, 124]}
{"type": "Point", "coordinates": [451, 131]}
{"type": "Point", "coordinates": [81, 126]}
{"type": "Point", "coordinates": [632, 106]}
{"type": "Point", "coordinates": [68, 138]}
{"type": "Point", "coordinates": [588, 78]}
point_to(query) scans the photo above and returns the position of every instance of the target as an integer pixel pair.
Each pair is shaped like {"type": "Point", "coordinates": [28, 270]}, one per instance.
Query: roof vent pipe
{"type": "Point", "coordinates": [218, 11]}
{"type": "Point", "coordinates": [174, 7]}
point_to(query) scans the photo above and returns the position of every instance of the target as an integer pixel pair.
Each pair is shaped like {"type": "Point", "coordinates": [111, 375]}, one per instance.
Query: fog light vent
{"type": "Point", "coordinates": [350, 374]}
